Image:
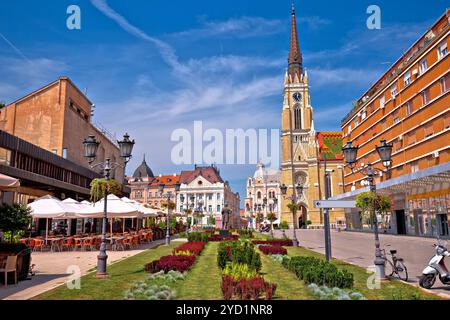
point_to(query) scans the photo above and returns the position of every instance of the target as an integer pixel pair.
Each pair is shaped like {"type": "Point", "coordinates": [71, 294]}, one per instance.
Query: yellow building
{"type": "Point", "coordinates": [303, 150]}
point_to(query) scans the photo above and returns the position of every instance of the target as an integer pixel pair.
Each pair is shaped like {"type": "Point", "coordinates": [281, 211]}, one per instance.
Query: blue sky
{"type": "Point", "coordinates": [155, 66]}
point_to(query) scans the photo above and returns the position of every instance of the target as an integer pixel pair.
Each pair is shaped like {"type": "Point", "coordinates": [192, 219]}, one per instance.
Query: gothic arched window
{"type": "Point", "coordinates": [297, 117]}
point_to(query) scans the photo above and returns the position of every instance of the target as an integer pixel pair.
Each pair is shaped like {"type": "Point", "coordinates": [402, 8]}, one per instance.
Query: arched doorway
{"type": "Point", "coordinates": [302, 216]}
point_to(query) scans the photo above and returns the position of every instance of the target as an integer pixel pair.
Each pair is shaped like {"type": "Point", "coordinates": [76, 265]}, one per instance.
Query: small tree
{"type": "Point", "coordinates": [14, 219]}
{"type": "Point", "coordinates": [271, 217]}
{"type": "Point", "coordinates": [372, 203]}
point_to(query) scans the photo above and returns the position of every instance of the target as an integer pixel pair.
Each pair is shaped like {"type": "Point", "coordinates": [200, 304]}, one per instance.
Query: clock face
{"type": "Point", "coordinates": [297, 97]}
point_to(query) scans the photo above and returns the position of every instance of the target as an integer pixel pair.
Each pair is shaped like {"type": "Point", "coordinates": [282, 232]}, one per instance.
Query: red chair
{"type": "Point", "coordinates": [67, 244]}
{"type": "Point", "coordinates": [78, 243]}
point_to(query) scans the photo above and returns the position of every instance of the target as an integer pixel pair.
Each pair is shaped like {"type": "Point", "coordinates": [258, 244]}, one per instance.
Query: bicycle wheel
{"type": "Point", "coordinates": [390, 269]}
{"type": "Point", "coordinates": [402, 271]}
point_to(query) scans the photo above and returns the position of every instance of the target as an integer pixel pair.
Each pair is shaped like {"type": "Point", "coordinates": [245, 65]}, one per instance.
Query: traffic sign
{"type": "Point", "coordinates": [334, 204]}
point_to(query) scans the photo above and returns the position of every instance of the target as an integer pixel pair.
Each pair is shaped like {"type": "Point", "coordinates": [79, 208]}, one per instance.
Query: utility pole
{"type": "Point", "coordinates": [326, 217]}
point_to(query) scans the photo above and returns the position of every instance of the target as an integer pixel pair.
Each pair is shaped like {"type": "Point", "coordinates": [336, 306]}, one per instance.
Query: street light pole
{"type": "Point", "coordinates": [90, 152]}
{"type": "Point", "coordinates": [168, 196]}
{"type": "Point", "coordinates": [385, 153]}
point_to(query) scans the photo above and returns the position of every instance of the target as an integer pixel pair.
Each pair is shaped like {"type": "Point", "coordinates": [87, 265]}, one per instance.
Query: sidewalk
{"type": "Point", "coordinates": [51, 270]}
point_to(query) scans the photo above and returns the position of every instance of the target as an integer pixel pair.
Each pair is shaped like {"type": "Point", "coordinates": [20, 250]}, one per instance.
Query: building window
{"type": "Point", "coordinates": [395, 118]}
{"type": "Point", "coordinates": [349, 128]}
{"type": "Point", "coordinates": [414, 166]}
{"type": "Point", "coordinates": [218, 208]}
{"type": "Point", "coordinates": [64, 153]}
{"type": "Point", "coordinates": [411, 138]}
{"type": "Point", "coordinates": [397, 145]}
{"type": "Point", "coordinates": [442, 50]}
{"type": "Point", "coordinates": [209, 208]}
{"type": "Point", "coordinates": [428, 130]}
{"type": "Point", "coordinates": [423, 66]}
{"type": "Point", "coordinates": [426, 96]}
{"type": "Point", "coordinates": [363, 114]}
{"type": "Point", "coordinates": [297, 117]}
{"type": "Point", "coordinates": [371, 108]}
{"type": "Point", "coordinates": [150, 195]}
{"type": "Point", "coordinates": [394, 91]}
{"type": "Point", "coordinates": [356, 122]}
{"type": "Point", "coordinates": [407, 78]}
{"type": "Point", "coordinates": [445, 84]}
{"type": "Point", "coordinates": [382, 101]}
{"type": "Point", "coordinates": [408, 108]}
{"type": "Point", "coordinates": [218, 196]}
{"type": "Point", "coordinates": [383, 124]}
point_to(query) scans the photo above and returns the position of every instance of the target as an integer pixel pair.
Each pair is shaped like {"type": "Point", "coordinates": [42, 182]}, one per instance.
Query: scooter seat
{"type": "Point", "coordinates": [393, 251]}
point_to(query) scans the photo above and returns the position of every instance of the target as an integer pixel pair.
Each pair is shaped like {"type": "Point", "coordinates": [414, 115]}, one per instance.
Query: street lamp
{"type": "Point", "coordinates": [90, 152]}
{"type": "Point", "coordinates": [385, 153]}
{"type": "Point", "coordinates": [298, 190]}
{"type": "Point", "coordinates": [168, 195]}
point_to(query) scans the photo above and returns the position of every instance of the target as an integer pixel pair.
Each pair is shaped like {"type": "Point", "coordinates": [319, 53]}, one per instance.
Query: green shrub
{"type": "Point", "coordinates": [240, 252]}
{"type": "Point", "coordinates": [198, 236]}
{"type": "Point", "coordinates": [323, 273]}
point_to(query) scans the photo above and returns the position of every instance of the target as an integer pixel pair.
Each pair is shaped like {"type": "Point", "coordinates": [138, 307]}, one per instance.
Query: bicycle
{"type": "Point", "coordinates": [397, 265]}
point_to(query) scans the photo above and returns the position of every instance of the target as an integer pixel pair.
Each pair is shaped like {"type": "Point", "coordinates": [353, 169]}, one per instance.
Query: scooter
{"type": "Point", "coordinates": [436, 267]}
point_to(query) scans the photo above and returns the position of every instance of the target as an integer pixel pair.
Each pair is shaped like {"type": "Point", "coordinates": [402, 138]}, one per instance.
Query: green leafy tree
{"type": "Point", "coordinates": [14, 219]}
{"type": "Point", "coordinates": [370, 202]}
{"type": "Point", "coordinates": [100, 185]}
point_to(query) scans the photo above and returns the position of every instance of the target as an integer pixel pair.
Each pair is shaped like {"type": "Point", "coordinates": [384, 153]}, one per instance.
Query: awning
{"type": "Point", "coordinates": [8, 183]}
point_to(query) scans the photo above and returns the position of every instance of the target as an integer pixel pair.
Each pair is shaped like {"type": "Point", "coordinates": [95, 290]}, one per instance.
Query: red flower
{"type": "Point", "coordinates": [193, 247]}
{"type": "Point", "coordinates": [272, 249]}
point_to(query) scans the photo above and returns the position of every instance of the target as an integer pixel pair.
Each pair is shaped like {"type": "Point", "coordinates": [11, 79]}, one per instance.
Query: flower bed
{"type": "Point", "coordinates": [194, 248]}
{"type": "Point", "coordinates": [180, 263]}
{"type": "Point", "coordinates": [275, 242]}
{"type": "Point", "coordinates": [254, 288]}
{"type": "Point", "coordinates": [198, 237]}
{"type": "Point", "coordinates": [323, 273]}
{"type": "Point", "coordinates": [272, 250]}
{"type": "Point", "coordinates": [218, 238]}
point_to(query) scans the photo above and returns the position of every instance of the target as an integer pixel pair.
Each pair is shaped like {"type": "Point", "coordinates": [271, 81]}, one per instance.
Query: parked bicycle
{"type": "Point", "coordinates": [396, 265]}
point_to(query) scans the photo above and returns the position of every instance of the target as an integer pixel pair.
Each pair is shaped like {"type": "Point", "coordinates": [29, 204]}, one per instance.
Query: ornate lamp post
{"type": "Point", "coordinates": [298, 190]}
{"type": "Point", "coordinates": [168, 195]}
{"type": "Point", "coordinates": [90, 152]}
{"type": "Point", "coordinates": [385, 153]}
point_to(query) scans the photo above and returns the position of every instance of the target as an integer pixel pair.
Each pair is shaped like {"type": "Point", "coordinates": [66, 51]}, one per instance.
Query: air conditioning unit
{"type": "Point", "coordinates": [415, 72]}
{"type": "Point", "coordinates": [435, 154]}
{"type": "Point", "coordinates": [400, 137]}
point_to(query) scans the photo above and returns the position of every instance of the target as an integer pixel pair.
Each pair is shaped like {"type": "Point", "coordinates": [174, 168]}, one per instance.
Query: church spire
{"type": "Point", "coordinates": [295, 56]}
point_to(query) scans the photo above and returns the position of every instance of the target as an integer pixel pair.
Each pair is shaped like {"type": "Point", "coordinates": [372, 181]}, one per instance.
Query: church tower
{"type": "Point", "coordinates": [298, 137]}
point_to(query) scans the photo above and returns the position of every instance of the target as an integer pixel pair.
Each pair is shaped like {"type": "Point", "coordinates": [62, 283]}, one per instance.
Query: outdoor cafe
{"type": "Point", "coordinates": [70, 225]}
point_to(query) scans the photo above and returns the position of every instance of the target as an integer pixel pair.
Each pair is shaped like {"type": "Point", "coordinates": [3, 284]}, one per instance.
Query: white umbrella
{"type": "Point", "coordinates": [49, 207]}
{"type": "Point", "coordinates": [8, 183]}
{"type": "Point", "coordinates": [146, 212]}
{"type": "Point", "coordinates": [116, 209]}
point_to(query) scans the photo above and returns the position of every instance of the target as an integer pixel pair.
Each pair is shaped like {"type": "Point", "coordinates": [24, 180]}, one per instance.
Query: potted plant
{"type": "Point", "coordinates": [14, 220]}
{"type": "Point", "coordinates": [101, 187]}
{"type": "Point", "coordinates": [271, 217]}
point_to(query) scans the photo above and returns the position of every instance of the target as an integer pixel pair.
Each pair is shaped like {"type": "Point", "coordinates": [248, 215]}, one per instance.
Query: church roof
{"type": "Point", "coordinates": [330, 145]}
{"type": "Point", "coordinates": [210, 173]}
{"type": "Point", "coordinates": [143, 171]}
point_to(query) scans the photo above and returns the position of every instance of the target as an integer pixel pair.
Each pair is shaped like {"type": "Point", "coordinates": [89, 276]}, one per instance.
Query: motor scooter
{"type": "Point", "coordinates": [436, 267]}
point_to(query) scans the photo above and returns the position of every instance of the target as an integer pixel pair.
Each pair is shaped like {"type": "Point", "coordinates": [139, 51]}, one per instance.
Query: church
{"type": "Point", "coordinates": [306, 155]}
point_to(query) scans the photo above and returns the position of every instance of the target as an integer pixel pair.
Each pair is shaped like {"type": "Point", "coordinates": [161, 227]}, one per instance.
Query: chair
{"type": "Point", "coordinates": [127, 243]}
{"type": "Point", "coordinates": [11, 266]}
{"type": "Point", "coordinates": [88, 244]}
{"type": "Point", "coordinates": [38, 244]}
{"type": "Point", "coordinates": [118, 245]}
{"type": "Point", "coordinates": [56, 245]}
{"type": "Point", "coordinates": [78, 242]}
{"type": "Point", "coordinates": [67, 243]}
{"type": "Point", "coordinates": [97, 242]}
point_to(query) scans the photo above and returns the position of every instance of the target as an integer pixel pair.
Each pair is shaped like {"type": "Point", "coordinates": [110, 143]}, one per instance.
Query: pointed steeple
{"type": "Point", "coordinates": [295, 55]}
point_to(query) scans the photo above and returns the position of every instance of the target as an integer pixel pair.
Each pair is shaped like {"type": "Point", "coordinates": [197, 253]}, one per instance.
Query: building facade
{"type": "Point", "coordinates": [144, 186]}
{"type": "Point", "coordinates": [301, 161]}
{"type": "Point", "coordinates": [57, 118]}
{"type": "Point", "coordinates": [203, 190]}
{"type": "Point", "coordinates": [263, 195]}
{"type": "Point", "coordinates": [408, 107]}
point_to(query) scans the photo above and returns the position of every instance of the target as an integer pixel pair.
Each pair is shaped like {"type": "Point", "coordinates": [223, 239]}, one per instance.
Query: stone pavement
{"type": "Point", "coordinates": [359, 248]}
{"type": "Point", "coordinates": [51, 269]}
